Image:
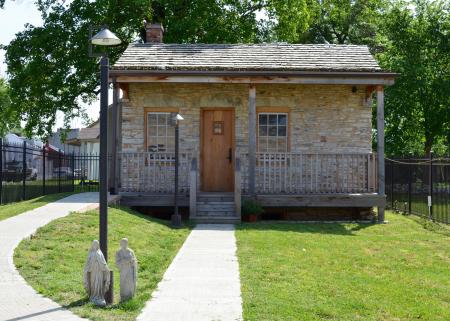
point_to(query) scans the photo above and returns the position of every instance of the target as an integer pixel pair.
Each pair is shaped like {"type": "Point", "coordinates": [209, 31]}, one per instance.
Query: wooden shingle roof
{"type": "Point", "coordinates": [240, 57]}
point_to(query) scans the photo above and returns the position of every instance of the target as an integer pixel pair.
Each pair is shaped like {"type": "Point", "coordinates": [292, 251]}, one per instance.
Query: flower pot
{"type": "Point", "coordinates": [250, 218]}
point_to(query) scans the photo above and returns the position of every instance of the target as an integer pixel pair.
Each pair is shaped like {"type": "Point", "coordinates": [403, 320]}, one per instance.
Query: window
{"type": "Point", "coordinates": [272, 132]}
{"type": "Point", "coordinates": [160, 134]}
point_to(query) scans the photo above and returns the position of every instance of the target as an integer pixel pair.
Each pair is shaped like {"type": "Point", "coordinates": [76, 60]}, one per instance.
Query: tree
{"type": "Point", "coordinates": [418, 104]}
{"type": "Point", "coordinates": [344, 21]}
{"type": "Point", "coordinates": [9, 117]}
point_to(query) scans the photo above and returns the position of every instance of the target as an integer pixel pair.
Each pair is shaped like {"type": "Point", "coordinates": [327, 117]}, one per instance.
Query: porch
{"type": "Point", "coordinates": [281, 180]}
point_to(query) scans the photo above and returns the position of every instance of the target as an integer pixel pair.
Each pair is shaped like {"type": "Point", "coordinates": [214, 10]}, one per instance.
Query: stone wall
{"type": "Point", "coordinates": [323, 118]}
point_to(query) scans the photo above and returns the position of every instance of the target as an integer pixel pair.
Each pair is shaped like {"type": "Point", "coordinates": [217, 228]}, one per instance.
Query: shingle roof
{"type": "Point", "coordinates": [240, 57]}
{"type": "Point", "coordinates": [89, 133]}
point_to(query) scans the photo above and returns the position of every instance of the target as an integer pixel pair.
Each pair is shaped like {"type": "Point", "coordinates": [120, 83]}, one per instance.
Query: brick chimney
{"type": "Point", "coordinates": [154, 32]}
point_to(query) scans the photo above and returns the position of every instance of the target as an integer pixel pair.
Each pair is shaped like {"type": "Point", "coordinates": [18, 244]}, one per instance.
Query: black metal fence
{"type": "Point", "coordinates": [419, 186]}
{"type": "Point", "coordinates": [28, 171]}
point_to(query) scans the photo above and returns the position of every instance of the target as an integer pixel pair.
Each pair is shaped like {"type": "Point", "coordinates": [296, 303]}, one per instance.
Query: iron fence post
{"type": "Point", "coordinates": [392, 185]}
{"type": "Point", "coordinates": [24, 168]}
{"type": "Point", "coordinates": [409, 187]}
{"type": "Point", "coordinates": [431, 185]}
{"type": "Point", "coordinates": [43, 170]}
{"type": "Point", "coordinates": [73, 172]}
{"type": "Point", "coordinates": [59, 171]}
{"type": "Point", "coordinates": [1, 170]}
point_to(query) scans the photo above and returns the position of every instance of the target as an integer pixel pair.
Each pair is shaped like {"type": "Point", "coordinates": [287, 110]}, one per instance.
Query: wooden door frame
{"type": "Point", "coordinates": [233, 139]}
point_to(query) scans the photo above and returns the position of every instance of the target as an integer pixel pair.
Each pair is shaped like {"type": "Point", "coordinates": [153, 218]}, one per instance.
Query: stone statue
{"type": "Point", "coordinates": [127, 265]}
{"type": "Point", "coordinates": [96, 275]}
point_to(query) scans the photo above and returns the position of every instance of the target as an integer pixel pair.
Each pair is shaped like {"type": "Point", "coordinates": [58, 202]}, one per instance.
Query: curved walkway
{"type": "Point", "coordinates": [18, 300]}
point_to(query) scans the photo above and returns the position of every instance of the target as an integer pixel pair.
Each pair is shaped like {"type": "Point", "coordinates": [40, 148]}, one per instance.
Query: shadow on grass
{"type": "Point", "coordinates": [298, 227]}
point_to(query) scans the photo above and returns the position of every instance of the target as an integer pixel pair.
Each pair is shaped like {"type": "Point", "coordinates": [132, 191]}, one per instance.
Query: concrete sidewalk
{"type": "Point", "coordinates": [202, 283]}
{"type": "Point", "coordinates": [18, 301]}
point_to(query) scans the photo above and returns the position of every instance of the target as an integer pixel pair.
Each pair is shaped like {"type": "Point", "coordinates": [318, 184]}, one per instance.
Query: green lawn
{"type": "Point", "coordinates": [53, 260]}
{"type": "Point", "coordinates": [13, 209]}
{"type": "Point", "coordinates": [398, 271]}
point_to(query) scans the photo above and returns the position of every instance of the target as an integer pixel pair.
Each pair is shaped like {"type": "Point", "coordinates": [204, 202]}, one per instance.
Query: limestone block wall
{"type": "Point", "coordinates": [323, 118]}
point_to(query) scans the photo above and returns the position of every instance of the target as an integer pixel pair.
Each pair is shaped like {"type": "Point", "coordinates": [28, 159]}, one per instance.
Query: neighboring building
{"type": "Point", "coordinates": [61, 138]}
{"type": "Point", "coordinates": [287, 125]}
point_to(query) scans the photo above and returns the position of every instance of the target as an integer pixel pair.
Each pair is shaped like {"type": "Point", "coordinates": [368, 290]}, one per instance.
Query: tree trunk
{"type": "Point", "coordinates": [428, 146]}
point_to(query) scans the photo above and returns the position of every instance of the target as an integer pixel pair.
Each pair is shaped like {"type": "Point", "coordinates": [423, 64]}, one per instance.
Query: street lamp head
{"type": "Point", "coordinates": [105, 38]}
{"type": "Point", "coordinates": [175, 118]}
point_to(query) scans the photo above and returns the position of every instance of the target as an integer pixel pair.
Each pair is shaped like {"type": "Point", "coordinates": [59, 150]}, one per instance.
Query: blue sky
{"type": "Point", "coordinates": [13, 18]}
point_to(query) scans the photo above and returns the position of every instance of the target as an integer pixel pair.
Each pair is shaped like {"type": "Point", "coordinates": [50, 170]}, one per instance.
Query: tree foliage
{"type": "Point", "coordinates": [9, 117]}
{"type": "Point", "coordinates": [418, 104]}
{"type": "Point", "coordinates": [344, 21]}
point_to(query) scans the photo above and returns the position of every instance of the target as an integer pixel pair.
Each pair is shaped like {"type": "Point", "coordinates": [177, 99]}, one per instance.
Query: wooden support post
{"type": "Point", "coordinates": [252, 140]}
{"type": "Point", "coordinates": [193, 189]}
{"type": "Point", "coordinates": [114, 124]}
{"type": "Point", "coordinates": [380, 149]}
{"type": "Point", "coordinates": [237, 186]}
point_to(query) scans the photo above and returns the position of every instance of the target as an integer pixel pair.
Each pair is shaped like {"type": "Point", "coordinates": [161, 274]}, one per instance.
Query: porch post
{"type": "Point", "coordinates": [114, 123]}
{"type": "Point", "coordinates": [251, 139]}
{"type": "Point", "coordinates": [380, 149]}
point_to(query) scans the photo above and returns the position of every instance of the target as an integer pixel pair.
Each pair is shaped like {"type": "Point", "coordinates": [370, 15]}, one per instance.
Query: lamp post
{"type": "Point", "coordinates": [103, 38]}
{"type": "Point", "coordinates": [176, 217]}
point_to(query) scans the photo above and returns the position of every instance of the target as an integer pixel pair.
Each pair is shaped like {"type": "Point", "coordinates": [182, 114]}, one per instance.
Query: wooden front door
{"type": "Point", "coordinates": [217, 140]}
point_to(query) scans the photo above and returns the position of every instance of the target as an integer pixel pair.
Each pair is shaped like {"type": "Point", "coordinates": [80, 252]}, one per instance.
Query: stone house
{"type": "Point", "coordinates": [287, 125]}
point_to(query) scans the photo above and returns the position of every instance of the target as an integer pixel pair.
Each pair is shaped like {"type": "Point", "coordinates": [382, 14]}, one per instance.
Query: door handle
{"type": "Point", "coordinates": [230, 155]}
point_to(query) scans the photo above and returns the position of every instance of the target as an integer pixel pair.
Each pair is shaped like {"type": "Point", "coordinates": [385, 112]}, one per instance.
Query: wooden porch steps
{"type": "Point", "coordinates": [216, 208]}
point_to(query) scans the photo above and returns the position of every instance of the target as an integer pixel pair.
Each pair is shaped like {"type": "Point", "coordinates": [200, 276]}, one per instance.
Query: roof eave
{"type": "Point", "coordinates": [252, 73]}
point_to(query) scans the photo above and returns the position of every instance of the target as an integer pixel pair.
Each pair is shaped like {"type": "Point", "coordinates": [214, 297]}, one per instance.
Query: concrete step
{"type": "Point", "coordinates": [216, 213]}
{"type": "Point", "coordinates": [208, 207]}
{"type": "Point", "coordinates": [217, 220]}
{"type": "Point", "coordinates": [207, 202]}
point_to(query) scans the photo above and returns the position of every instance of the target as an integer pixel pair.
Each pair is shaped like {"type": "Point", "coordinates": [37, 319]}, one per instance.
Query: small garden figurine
{"type": "Point", "coordinates": [96, 275]}
{"type": "Point", "coordinates": [251, 210]}
{"type": "Point", "coordinates": [127, 265]}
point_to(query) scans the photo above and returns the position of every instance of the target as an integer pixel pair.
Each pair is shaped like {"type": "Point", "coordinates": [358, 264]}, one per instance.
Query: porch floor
{"type": "Point", "coordinates": [266, 200]}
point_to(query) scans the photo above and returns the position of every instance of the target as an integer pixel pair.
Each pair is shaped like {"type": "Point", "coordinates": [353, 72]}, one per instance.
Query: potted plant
{"type": "Point", "coordinates": [251, 210]}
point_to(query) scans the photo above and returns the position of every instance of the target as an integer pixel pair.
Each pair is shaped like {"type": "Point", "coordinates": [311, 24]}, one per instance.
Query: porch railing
{"type": "Point", "coordinates": [298, 173]}
{"type": "Point", "coordinates": [154, 172]}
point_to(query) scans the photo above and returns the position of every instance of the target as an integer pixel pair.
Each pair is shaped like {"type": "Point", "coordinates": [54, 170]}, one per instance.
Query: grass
{"type": "Point", "coordinates": [52, 261]}
{"type": "Point", "coordinates": [394, 272]}
{"type": "Point", "coordinates": [13, 209]}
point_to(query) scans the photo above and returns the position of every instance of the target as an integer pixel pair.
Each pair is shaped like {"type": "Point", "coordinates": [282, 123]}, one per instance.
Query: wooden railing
{"type": "Point", "coordinates": [298, 173]}
{"type": "Point", "coordinates": [154, 172]}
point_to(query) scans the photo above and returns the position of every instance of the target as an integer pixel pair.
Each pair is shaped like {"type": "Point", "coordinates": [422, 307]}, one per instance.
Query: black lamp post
{"type": "Point", "coordinates": [176, 217]}
{"type": "Point", "coordinates": [103, 38]}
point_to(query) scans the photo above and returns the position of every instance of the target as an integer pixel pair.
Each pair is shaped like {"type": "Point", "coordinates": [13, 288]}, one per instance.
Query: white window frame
{"type": "Point", "coordinates": [150, 139]}
{"type": "Point", "coordinates": [265, 149]}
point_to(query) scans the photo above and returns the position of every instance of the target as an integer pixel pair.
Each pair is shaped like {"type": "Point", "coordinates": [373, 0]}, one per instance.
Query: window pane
{"type": "Point", "coordinates": [162, 119]}
{"type": "Point", "coordinates": [170, 131]}
{"type": "Point", "coordinates": [152, 131]}
{"type": "Point", "coordinates": [262, 119]}
{"type": "Point", "coordinates": [152, 119]}
{"type": "Point", "coordinates": [272, 144]}
{"type": "Point", "coordinates": [281, 130]}
{"type": "Point", "coordinates": [282, 119]}
{"type": "Point", "coordinates": [272, 130]}
{"type": "Point", "coordinates": [262, 130]}
{"type": "Point", "coordinates": [282, 145]}
{"type": "Point", "coordinates": [272, 119]}
{"type": "Point", "coordinates": [162, 131]}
